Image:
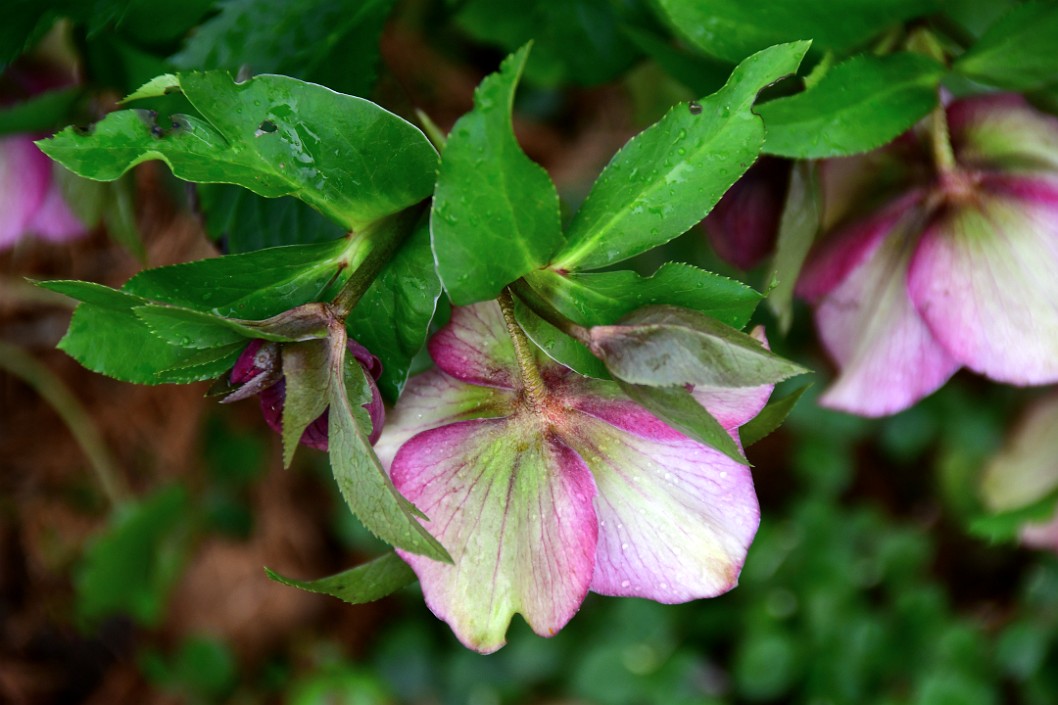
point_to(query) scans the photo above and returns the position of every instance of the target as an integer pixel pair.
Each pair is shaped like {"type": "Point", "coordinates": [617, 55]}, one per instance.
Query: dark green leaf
{"type": "Point", "coordinates": [662, 346]}
{"type": "Point", "coordinates": [701, 74]}
{"type": "Point", "coordinates": [246, 222]}
{"type": "Point", "coordinates": [331, 42]}
{"type": "Point", "coordinates": [1005, 526]}
{"type": "Point", "coordinates": [186, 328]}
{"type": "Point", "coordinates": [41, 113]}
{"type": "Point", "coordinates": [769, 419]}
{"type": "Point", "coordinates": [129, 568]}
{"type": "Point", "coordinates": [364, 583]}
{"type": "Point", "coordinates": [857, 106]}
{"type": "Point", "coordinates": [307, 371]}
{"type": "Point", "coordinates": [495, 212]}
{"type": "Point", "coordinates": [557, 345]}
{"type": "Point", "coordinates": [601, 298]}
{"type": "Point", "coordinates": [363, 481]}
{"type": "Point", "coordinates": [734, 29]}
{"type": "Point", "coordinates": [1018, 51]}
{"type": "Point", "coordinates": [345, 156]}
{"type": "Point", "coordinates": [797, 231]}
{"type": "Point", "coordinates": [393, 316]}
{"type": "Point", "coordinates": [668, 177]}
{"type": "Point", "coordinates": [678, 408]}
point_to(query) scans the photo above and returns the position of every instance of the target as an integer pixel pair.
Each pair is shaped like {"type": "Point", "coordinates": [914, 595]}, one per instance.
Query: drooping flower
{"type": "Point", "coordinates": [258, 371]}
{"type": "Point", "coordinates": [543, 485]}
{"type": "Point", "coordinates": [956, 270]}
{"type": "Point", "coordinates": [31, 200]}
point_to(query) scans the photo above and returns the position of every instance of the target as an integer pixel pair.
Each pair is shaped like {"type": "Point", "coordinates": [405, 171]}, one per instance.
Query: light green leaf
{"type": "Point", "coordinates": [798, 226]}
{"type": "Point", "coordinates": [662, 346]}
{"type": "Point", "coordinates": [495, 212]}
{"type": "Point", "coordinates": [347, 157]}
{"type": "Point", "coordinates": [678, 408]}
{"type": "Point", "coordinates": [734, 29]}
{"type": "Point", "coordinates": [769, 419]}
{"type": "Point", "coordinates": [1018, 51]}
{"type": "Point", "coordinates": [362, 584]}
{"type": "Point", "coordinates": [393, 316]}
{"type": "Point", "coordinates": [857, 106]}
{"type": "Point", "coordinates": [601, 298]}
{"type": "Point", "coordinates": [363, 481]}
{"type": "Point", "coordinates": [670, 176]}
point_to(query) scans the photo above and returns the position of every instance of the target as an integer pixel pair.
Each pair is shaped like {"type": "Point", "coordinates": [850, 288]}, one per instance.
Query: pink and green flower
{"type": "Point", "coordinates": [544, 485]}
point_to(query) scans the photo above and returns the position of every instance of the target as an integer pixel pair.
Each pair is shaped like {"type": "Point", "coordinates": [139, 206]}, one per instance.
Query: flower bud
{"type": "Point", "coordinates": [743, 225]}
{"type": "Point", "coordinates": [259, 371]}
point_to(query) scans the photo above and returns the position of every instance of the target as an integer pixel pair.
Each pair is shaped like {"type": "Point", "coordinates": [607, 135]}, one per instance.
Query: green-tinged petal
{"type": "Point", "coordinates": [513, 505]}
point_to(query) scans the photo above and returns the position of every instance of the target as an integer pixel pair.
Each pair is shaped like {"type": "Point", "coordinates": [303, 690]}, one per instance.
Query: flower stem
{"type": "Point", "coordinates": [546, 311]}
{"type": "Point", "coordinates": [943, 153]}
{"type": "Point", "coordinates": [532, 383]}
{"type": "Point", "coordinates": [22, 365]}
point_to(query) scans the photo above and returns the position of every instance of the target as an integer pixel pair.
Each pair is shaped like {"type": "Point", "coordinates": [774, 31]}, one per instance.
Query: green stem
{"type": "Point", "coordinates": [943, 153]}
{"type": "Point", "coordinates": [532, 383]}
{"type": "Point", "coordinates": [22, 365]}
{"type": "Point", "coordinates": [546, 311]}
{"type": "Point", "coordinates": [383, 239]}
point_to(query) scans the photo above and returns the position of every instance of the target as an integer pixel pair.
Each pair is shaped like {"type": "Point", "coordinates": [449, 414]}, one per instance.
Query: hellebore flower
{"type": "Point", "coordinates": [743, 225]}
{"type": "Point", "coordinates": [958, 270]}
{"type": "Point", "coordinates": [543, 485]}
{"type": "Point", "coordinates": [31, 202]}
{"type": "Point", "coordinates": [1024, 473]}
{"type": "Point", "coordinates": [259, 371]}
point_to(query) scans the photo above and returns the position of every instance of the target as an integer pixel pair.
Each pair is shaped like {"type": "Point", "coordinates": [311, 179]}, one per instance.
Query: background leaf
{"type": "Point", "coordinates": [495, 212]}
{"type": "Point", "coordinates": [769, 419]}
{"type": "Point", "coordinates": [364, 583]}
{"type": "Point", "coordinates": [244, 222]}
{"type": "Point", "coordinates": [669, 176]}
{"type": "Point", "coordinates": [857, 106]}
{"type": "Point", "coordinates": [732, 29]}
{"type": "Point", "coordinates": [345, 156]}
{"type": "Point", "coordinates": [1018, 51]}
{"type": "Point", "coordinates": [798, 226]}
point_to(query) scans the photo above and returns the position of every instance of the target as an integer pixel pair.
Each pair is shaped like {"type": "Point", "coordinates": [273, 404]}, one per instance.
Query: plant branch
{"type": "Point", "coordinates": [546, 311]}
{"type": "Point", "coordinates": [532, 382]}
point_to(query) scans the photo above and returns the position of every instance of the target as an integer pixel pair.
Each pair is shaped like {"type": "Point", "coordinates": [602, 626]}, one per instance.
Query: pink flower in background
{"type": "Point", "coordinates": [259, 371]}
{"type": "Point", "coordinates": [31, 201]}
{"type": "Point", "coordinates": [959, 270]}
{"type": "Point", "coordinates": [542, 492]}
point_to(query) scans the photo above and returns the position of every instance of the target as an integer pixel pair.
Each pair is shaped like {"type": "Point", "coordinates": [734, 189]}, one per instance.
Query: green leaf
{"type": "Point", "coordinates": [1018, 51]}
{"type": "Point", "coordinates": [661, 346]}
{"type": "Point", "coordinates": [41, 113]}
{"type": "Point", "coordinates": [190, 329]}
{"type": "Point", "coordinates": [246, 222]}
{"type": "Point", "coordinates": [801, 215]}
{"type": "Point", "coordinates": [678, 408]}
{"type": "Point", "coordinates": [259, 284]}
{"type": "Point", "coordinates": [857, 106]}
{"type": "Point", "coordinates": [347, 157]}
{"type": "Point", "coordinates": [307, 371]}
{"type": "Point", "coordinates": [95, 294]}
{"type": "Point", "coordinates": [362, 480]}
{"type": "Point", "coordinates": [1005, 526]}
{"type": "Point", "coordinates": [669, 176]}
{"type": "Point", "coordinates": [769, 419]}
{"type": "Point", "coordinates": [331, 42]}
{"type": "Point", "coordinates": [733, 29]}
{"type": "Point", "coordinates": [495, 212]}
{"type": "Point", "coordinates": [601, 298]}
{"type": "Point", "coordinates": [392, 318]}
{"type": "Point", "coordinates": [360, 585]}
{"type": "Point", "coordinates": [557, 345]}
{"type": "Point", "coordinates": [129, 568]}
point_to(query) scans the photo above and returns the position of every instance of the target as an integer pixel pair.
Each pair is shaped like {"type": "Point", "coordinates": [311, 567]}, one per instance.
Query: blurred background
{"type": "Point", "coordinates": [135, 522]}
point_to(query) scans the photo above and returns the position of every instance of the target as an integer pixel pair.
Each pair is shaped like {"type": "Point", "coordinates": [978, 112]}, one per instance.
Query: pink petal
{"type": "Point", "coordinates": [513, 506]}
{"type": "Point", "coordinates": [475, 347]}
{"type": "Point", "coordinates": [433, 399]}
{"type": "Point", "coordinates": [887, 358]}
{"type": "Point", "coordinates": [24, 177]}
{"type": "Point", "coordinates": [54, 221]}
{"type": "Point", "coordinates": [985, 278]}
{"type": "Point", "coordinates": [675, 518]}
{"type": "Point", "coordinates": [734, 407]}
